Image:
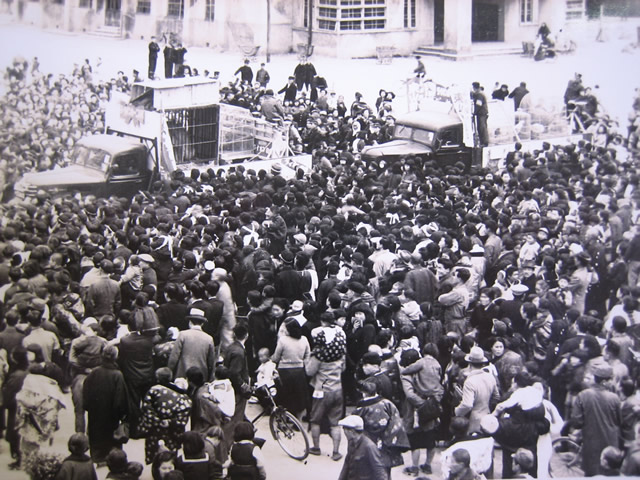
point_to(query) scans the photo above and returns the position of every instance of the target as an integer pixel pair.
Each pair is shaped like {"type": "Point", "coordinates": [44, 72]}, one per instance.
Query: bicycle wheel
{"type": "Point", "coordinates": [566, 458]}
{"type": "Point", "coordinates": [289, 433]}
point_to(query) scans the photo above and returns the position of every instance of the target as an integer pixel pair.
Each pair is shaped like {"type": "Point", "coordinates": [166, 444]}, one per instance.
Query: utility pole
{"type": "Point", "coordinates": [310, 27]}
{"type": "Point", "coordinates": [268, 31]}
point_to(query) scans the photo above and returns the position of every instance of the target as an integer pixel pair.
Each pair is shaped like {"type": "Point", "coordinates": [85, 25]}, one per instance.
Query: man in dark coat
{"type": "Point", "coordinates": [288, 281]}
{"type": "Point", "coordinates": [174, 312]}
{"type": "Point", "coordinates": [178, 59]}
{"type": "Point", "coordinates": [154, 48]}
{"type": "Point", "coordinates": [168, 60]}
{"type": "Point", "coordinates": [518, 94]}
{"type": "Point", "coordinates": [136, 363]}
{"type": "Point", "coordinates": [236, 370]}
{"type": "Point", "coordinates": [105, 399]}
{"type": "Point", "coordinates": [363, 460]}
{"type": "Point", "coordinates": [290, 90]}
{"type": "Point", "coordinates": [421, 280]}
{"type": "Point", "coordinates": [246, 74]}
{"type": "Point", "coordinates": [597, 413]}
{"type": "Point", "coordinates": [480, 113]}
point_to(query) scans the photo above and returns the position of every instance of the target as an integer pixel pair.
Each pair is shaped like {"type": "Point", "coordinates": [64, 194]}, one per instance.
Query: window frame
{"type": "Point", "coordinates": [143, 7]}
{"type": "Point", "coordinates": [209, 10]}
{"type": "Point", "coordinates": [528, 12]}
{"type": "Point", "coordinates": [171, 4]}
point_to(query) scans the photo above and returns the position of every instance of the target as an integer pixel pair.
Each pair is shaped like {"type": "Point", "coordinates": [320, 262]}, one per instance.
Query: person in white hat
{"type": "Point", "coordinates": [363, 460]}
{"type": "Point", "coordinates": [479, 389]}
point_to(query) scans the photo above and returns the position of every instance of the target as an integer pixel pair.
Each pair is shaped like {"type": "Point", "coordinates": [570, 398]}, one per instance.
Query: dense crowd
{"type": "Point", "coordinates": [436, 306]}
{"type": "Point", "coordinates": [44, 115]}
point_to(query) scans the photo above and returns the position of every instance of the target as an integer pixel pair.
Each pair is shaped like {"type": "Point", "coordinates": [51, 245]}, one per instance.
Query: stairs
{"type": "Point", "coordinates": [106, 32]}
{"type": "Point", "coordinates": [488, 49]}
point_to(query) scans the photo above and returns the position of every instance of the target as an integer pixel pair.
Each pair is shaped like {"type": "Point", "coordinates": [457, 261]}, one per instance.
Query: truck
{"type": "Point", "coordinates": [440, 129]}
{"type": "Point", "coordinates": [163, 126]}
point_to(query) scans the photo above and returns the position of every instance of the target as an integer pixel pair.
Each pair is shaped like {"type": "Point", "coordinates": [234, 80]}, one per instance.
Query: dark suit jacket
{"type": "Point", "coordinates": [235, 365]}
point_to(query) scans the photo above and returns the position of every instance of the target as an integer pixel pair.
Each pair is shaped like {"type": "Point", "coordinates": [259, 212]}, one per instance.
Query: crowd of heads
{"type": "Point", "coordinates": [44, 115]}
{"type": "Point", "coordinates": [527, 233]}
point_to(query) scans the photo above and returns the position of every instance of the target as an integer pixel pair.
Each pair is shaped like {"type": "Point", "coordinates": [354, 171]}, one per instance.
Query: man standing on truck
{"type": "Point", "coordinates": [480, 113]}
{"type": "Point", "coordinates": [246, 74]}
{"type": "Point", "coordinates": [154, 48]}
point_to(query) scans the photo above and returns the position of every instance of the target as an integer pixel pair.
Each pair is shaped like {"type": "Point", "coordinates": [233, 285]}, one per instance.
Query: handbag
{"type": "Point", "coordinates": [121, 434]}
{"type": "Point", "coordinates": [429, 410]}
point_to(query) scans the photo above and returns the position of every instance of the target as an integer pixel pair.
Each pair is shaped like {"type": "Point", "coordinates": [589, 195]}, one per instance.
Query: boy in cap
{"type": "Point", "coordinates": [363, 460]}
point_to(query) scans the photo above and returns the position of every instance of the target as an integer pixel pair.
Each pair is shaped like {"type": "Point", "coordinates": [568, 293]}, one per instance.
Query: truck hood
{"type": "Point", "coordinates": [396, 148]}
{"type": "Point", "coordinates": [73, 175]}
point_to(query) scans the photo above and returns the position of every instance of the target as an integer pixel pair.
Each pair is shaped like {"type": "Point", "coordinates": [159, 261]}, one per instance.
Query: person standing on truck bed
{"type": "Point", "coordinates": [168, 60]}
{"type": "Point", "coordinates": [154, 48]}
{"type": "Point", "coordinates": [518, 94]}
{"type": "Point", "coordinates": [481, 113]}
{"type": "Point", "coordinates": [246, 74]}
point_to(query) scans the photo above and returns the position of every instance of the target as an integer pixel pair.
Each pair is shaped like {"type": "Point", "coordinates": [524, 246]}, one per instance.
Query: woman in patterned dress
{"type": "Point", "coordinates": [165, 413]}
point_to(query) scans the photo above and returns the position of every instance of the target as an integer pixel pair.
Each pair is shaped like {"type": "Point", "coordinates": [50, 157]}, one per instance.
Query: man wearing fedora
{"type": "Point", "coordinates": [479, 390]}
{"type": "Point", "coordinates": [193, 348]}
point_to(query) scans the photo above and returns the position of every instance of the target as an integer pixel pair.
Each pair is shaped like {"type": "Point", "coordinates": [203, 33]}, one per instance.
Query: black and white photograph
{"type": "Point", "coordinates": [319, 239]}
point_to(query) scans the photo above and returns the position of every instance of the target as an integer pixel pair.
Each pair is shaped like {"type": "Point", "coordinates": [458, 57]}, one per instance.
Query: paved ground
{"type": "Point", "coordinates": [604, 64]}
{"type": "Point", "coordinates": [278, 465]}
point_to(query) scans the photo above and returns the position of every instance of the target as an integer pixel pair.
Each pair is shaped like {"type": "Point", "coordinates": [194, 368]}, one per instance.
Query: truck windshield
{"type": "Point", "coordinates": [91, 158]}
{"type": "Point", "coordinates": [416, 134]}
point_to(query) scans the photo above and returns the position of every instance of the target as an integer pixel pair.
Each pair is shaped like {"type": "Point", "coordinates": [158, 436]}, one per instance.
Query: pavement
{"type": "Point", "coordinates": [278, 465]}
{"type": "Point", "coordinates": [612, 65]}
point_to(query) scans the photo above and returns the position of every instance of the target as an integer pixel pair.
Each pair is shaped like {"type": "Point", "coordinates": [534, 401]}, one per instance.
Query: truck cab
{"type": "Point", "coordinates": [102, 165]}
{"type": "Point", "coordinates": [427, 135]}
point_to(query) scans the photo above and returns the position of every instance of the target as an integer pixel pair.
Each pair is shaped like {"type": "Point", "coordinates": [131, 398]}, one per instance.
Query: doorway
{"type": "Point", "coordinates": [112, 13]}
{"type": "Point", "coordinates": [485, 22]}
{"type": "Point", "coordinates": [438, 22]}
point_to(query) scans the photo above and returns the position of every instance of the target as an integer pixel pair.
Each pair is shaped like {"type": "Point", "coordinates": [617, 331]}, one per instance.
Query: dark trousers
{"type": "Point", "coordinates": [168, 69]}
{"type": "Point", "coordinates": [483, 131]}
{"type": "Point", "coordinates": [153, 62]}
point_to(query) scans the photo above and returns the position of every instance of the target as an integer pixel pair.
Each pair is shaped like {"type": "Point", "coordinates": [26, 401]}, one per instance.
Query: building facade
{"type": "Point", "coordinates": [353, 28]}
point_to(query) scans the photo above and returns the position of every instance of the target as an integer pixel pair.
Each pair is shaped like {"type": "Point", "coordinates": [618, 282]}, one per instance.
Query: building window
{"type": "Point", "coordinates": [58, 2]}
{"type": "Point", "coordinates": [575, 9]}
{"type": "Point", "coordinates": [374, 12]}
{"type": "Point", "coordinates": [144, 6]}
{"type": "Point", "coordinates": [210, 10]}
{"type": "Point", "coordinates": [327, 12]}
{"type": "Point", "coordinates": [84, 4]}
{"type": "Point", "coordinates": [353, 14]}
{"type": "Point", "coordinates": [350, 25]}
{"type": "Point", "coordinates": [326, 24]}
{"type": "Point", "coordinates": [175, 8]}
{"type": "Point", "coordinates": [409, 13]}
{"type": "Point", "coordinates": [374, 24]}
{"type": "Point", "coordinates": [527, 11]}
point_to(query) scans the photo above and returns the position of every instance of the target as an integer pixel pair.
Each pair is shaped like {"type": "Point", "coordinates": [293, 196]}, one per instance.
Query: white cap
{"type": "Point", "coordinates": [352, 421]}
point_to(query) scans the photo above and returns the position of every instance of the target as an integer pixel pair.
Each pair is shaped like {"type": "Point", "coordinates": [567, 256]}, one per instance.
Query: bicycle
{"type": "Point", "coordinates": [566, 458]}
{"type": "Point", "coordinates": [285, 428]}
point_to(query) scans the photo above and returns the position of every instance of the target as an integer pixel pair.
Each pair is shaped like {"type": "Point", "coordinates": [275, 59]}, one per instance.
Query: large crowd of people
{"type": "Point", "coordinates": [434, 306]}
